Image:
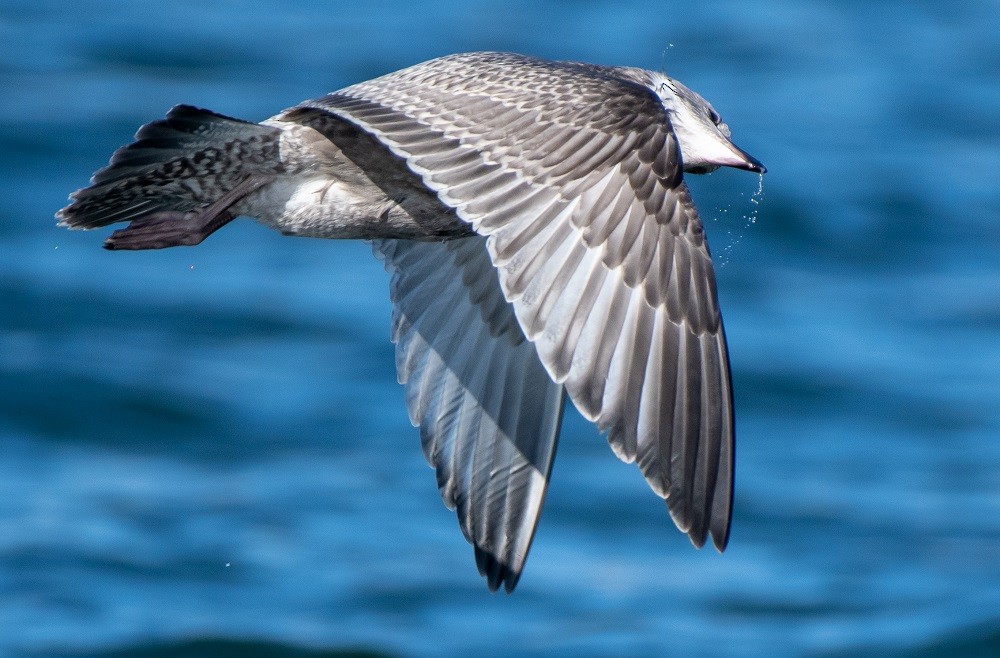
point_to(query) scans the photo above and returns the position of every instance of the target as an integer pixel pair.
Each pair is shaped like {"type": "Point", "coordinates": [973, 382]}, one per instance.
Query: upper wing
{"type": "Point", "coordinates": [574, 173]}
{"type": "Point", "coordinates": [488, 412]}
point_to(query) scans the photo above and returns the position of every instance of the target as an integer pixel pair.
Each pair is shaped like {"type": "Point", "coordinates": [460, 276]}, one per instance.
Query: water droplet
{"type": "Point", "coordinates": [750, 218]}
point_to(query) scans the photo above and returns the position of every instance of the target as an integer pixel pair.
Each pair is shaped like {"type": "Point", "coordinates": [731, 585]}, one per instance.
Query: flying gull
{"type": "Point", "coordinates": [542, 243]}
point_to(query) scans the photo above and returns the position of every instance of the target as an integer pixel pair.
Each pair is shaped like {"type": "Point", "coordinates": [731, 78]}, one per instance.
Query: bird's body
{"type": "Point", "coordinates": [542, 243]}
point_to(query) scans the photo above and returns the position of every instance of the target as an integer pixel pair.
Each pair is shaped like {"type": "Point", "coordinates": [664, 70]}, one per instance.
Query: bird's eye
{"type": "Point", "coordinates": [714, 116]}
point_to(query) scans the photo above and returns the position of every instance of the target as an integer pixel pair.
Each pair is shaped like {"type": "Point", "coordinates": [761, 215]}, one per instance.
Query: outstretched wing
{"type": "Point", "coordinates": [488, 411]}
{"type": "Point", "coordinates": [574, 174]}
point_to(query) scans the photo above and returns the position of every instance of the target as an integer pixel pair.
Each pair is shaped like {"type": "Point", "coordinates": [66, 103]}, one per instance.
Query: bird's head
{"type": "Point", "coordinates": [703, 136]}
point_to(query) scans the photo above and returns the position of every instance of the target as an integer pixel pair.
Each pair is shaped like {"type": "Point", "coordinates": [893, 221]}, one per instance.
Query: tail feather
{"type": "Point", "coordinates": [186, 160]}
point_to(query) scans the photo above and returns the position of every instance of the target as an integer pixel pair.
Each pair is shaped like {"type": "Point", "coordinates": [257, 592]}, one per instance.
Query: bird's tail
{"type": "Point", "coordinates": [191, 158]}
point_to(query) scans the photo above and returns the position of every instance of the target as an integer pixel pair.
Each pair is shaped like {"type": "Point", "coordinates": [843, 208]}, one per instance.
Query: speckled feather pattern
{"type": "Point", "coordinates": [186, 160]}
{"type": "Point", "coordinates": [574, 174]}
{"type": "Point", "coordinates": [541, 241]}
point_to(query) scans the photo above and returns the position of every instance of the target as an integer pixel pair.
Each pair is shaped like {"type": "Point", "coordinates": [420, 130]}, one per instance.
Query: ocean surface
{"type": "Point", "coordinates": [204, 452]}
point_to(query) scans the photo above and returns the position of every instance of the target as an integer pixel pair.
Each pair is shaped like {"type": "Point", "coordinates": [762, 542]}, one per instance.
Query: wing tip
{"type": "Point", "coordinates": [497, 573]}
{"type": "Point", "coordinates": [700, 528]}
{"type": "Point", "coordinates": [720, 539]}
{"type": "Point", "coordinates": [720, 528]}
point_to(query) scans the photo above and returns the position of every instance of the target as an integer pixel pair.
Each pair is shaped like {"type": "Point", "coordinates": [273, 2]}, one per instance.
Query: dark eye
{"type": "Point", "coordinates": [714, 116]}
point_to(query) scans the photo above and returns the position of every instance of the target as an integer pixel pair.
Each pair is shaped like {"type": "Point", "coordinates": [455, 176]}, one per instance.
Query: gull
{"type": "Point", "coordinates": [542, 243]}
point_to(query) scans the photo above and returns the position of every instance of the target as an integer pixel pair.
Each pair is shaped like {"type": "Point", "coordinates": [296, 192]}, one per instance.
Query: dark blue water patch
{"type": "Point", "coordinates": [786, 224]}
{"type": "Point", "coordinates": [184, 58]}
{"type": "Point", "coordinates": [900, 231]}
{"type": "Point", "coordinates": [92, 410]}
{"type": "Point", "coordinates": [956, 111]}
{"type": "Point", "coordinates": [149, 419]}
{"type": "Point", "coordinates": [58, 311]}
{"type": "Point", "coordinates": [763, 610]}
{"type": "Point", "coordinates": [42, 568]}
{"type": "Point", "coordinates": [714, 51]}
{"type": "Point", "coordinates": [895, 230]}
{"type": "Point", "coordinates": [979, 640]}
{"type": "Point", "coordinates": [582, 498]}
{"type": "Point", "coordinates": [408, 600]}
{"type": "Point", "coordinates": [796, 393]}
{"type": "Point", "coordinates": [67, 147]}
{"type": "Point", "coordinates": [220, 648]}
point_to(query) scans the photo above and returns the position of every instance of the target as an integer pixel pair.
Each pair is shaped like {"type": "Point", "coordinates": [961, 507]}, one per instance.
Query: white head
{"type": "Point", "coordinates": [703, 136]}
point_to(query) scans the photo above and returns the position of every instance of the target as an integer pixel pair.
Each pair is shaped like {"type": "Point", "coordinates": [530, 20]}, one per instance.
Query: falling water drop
{"type": "Point", "coordinates": [749, 218]}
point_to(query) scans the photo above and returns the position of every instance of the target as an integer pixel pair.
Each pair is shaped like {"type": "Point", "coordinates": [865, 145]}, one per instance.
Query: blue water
{"type": "Point", "coordinates": [205, 451]}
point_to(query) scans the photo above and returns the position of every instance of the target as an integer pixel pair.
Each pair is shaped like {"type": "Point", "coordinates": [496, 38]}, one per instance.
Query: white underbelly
{"type": "Point", "coordinates": [314, 206]}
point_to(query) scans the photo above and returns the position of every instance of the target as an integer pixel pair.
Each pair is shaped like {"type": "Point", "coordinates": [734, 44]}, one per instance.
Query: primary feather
{"type": "Point", "coordinates": [541, 241]}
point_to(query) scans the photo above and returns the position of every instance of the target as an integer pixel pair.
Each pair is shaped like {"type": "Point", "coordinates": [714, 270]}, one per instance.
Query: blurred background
{"type": "Point", "coordinates": [205, 451]}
